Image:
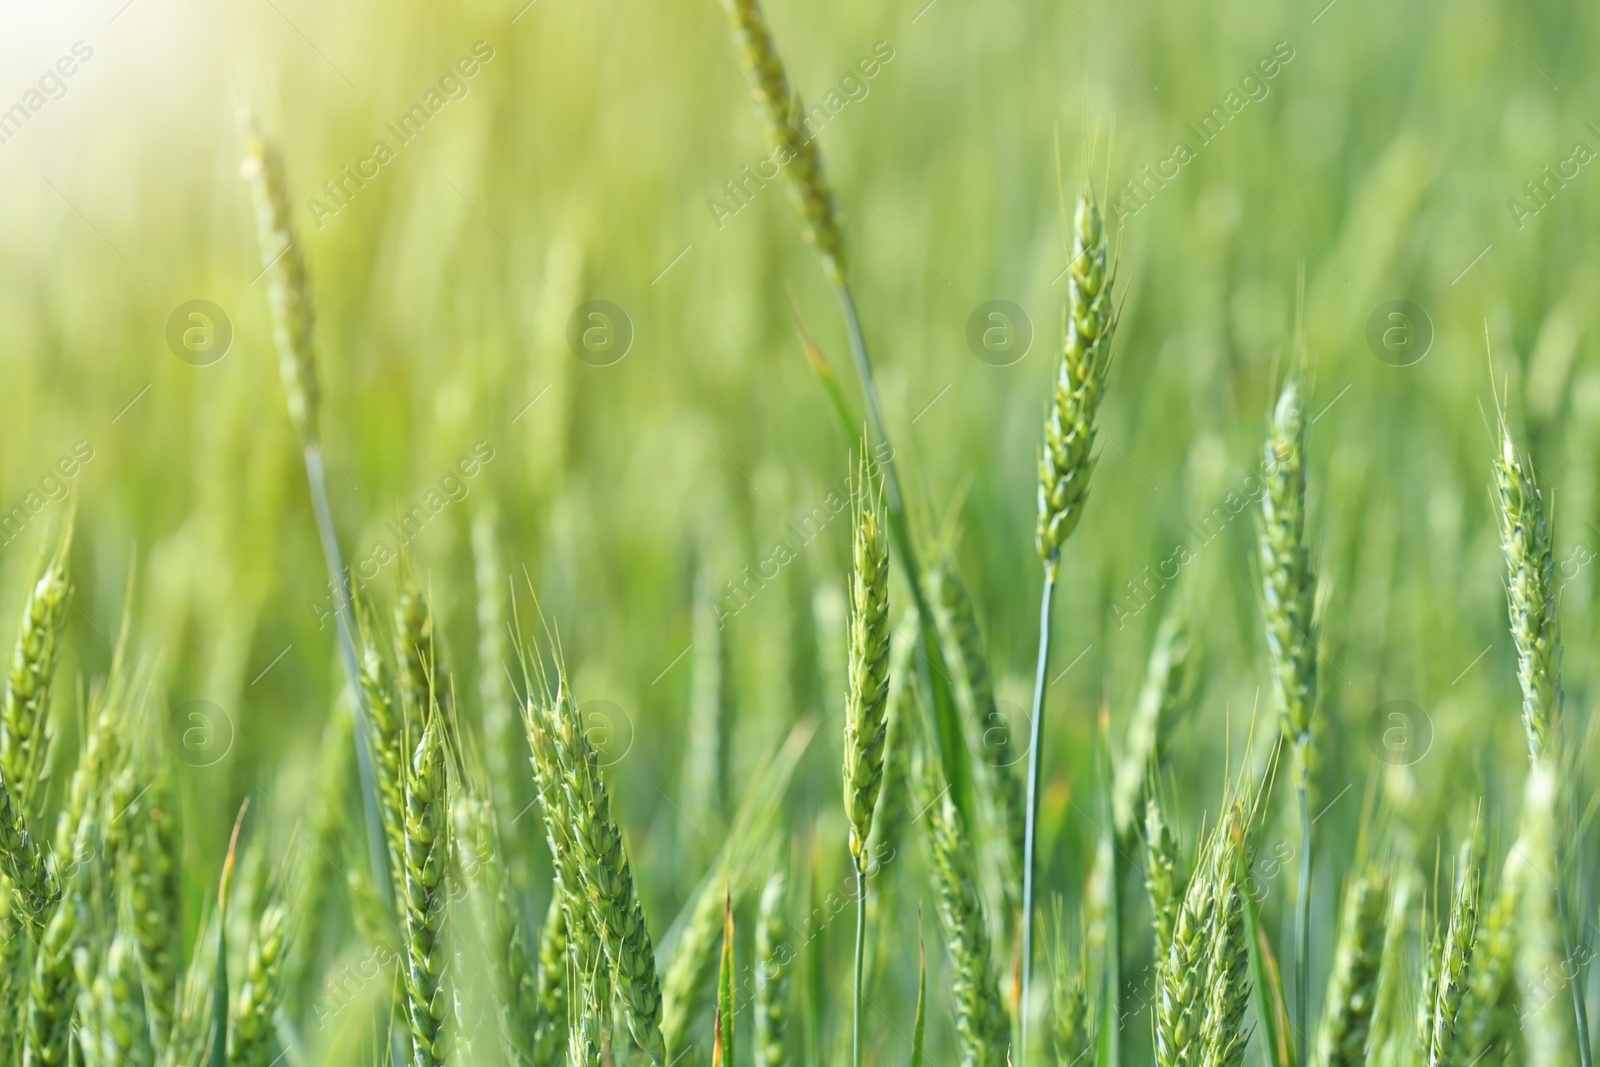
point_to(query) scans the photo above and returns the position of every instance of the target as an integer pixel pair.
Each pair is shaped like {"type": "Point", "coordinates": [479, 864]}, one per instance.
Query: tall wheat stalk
{"type": "Point", "coordinates": [1066, 461]}
{"type": "Point", "coordinates": [289, 297]}
{"type": "Point", "coordinates": [795, 145]}
{"type": "Point", "coordinates": [1288, 587]}
{"type": "Point", "coordinates": [1532, 602]}
{"type": "Point", "coordinates": [865, 726]}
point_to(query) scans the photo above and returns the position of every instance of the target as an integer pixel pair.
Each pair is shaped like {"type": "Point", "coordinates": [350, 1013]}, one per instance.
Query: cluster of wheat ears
{"type": "Point", "coordinates": [93, 968]}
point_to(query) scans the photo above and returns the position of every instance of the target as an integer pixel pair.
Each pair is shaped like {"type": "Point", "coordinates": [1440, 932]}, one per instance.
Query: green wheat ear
{"type": "Point", "coordinates": [1288, 580]}
{"type": "Point", "coordinates": [425, 895]}
{"type": "Point", "coordinates": [1444, 1039]}
{"type": "Point", "coordinates": [865, 726]}
{"type": "Point", "coordinates": [603, 867]}
{"type": "Point", "coordinates": [33, 665]}
{"type": "Point", "coordinates": [1530, 599]}
{"type": "Point", "coordinates": [794, 145]}
{"type": "Point", "coordinates": [1067, 459]}
{"type": "Point", "coordinates": [252, 1037]}
{"type": "Point", "coordinates": [1352, 997]}
{"type": "Point", "coordinates": [772, 975]}
{"type": "Point", "coordinates": [981, 1032]}
{"type": "Point", "coordinates": [288, 290]}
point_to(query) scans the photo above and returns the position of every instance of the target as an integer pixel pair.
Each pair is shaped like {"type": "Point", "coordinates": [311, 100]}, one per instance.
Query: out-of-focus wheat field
{"type": "Point", "coordinates": [586, 159]}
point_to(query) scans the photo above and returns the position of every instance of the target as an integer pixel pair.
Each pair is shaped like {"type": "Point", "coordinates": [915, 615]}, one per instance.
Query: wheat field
{"type": "Point", "coordinates": [750, 534]}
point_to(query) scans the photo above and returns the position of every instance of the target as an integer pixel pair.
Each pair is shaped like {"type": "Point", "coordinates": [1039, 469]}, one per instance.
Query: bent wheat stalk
{"type": "Point", "coordinates": [289, 296]}
{"type": "Point", "coordinates": [780, 106]}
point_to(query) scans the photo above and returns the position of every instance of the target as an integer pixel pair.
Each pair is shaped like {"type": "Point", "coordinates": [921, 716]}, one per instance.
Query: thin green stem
{"type": "Point", "coordinates": [377, 854]}
{"type": "Point", "coordinates": [1579, 1009]}
{"type": "Point", "coordinates": [1030, 826]}
{"type": "Point", "coordinates": [861, 942]}
{"type": "Point", "coordinates": [1302, 926]}
{"type": "Point", "coordinates": [329, 537]}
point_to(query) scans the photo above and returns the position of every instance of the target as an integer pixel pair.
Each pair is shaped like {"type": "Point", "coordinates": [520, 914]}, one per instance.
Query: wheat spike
{"type": "Point", "coordinates": [1074, 1032]}
{"type": "Point", "coordinates": [795, 147]}
{"type": "Point", "coordinates": [865, 729]}
{"type": "Point", "coordinates": [1067, 459]}
{"type": "Point", "coordinates": [34, 888]}
{"type": "Point", "coordinates": [1227, 994]}
{"type": "Point", "coordinates": [683, 988]}
{"type": "Point", "coordinates": [388, 731]}
{"type": "Point", "coordinates": [52, 993]}
{"type": "Point", "coordinates": [706, 751]}
{"type": "Point", "coordinates": [1490, 1011]}
{"type": "Point", "coordinates": [253, 1036]}
{"type": "Point", "coordinates": [607, 877]}
{"type": "Point", "coordinates": [1352, 997]}
{"type": "Point", "coordinates": [553, 991]}
{"type": "Point", "coordinates": [1445, 1039]}
{"type": "Point", "coordinates": [288, 290]}
{"type": "Point", "coordinates": [427, 847]}
{"type": "Point", "coordinates": [582, 940]}
{"type": "Point", "coordinates": [33, 664]}
{"type": "Point", "coordinates": [1288, 582]}
{"type": "Point", "coordinates": [1163, 880]}
{"type": "Point", "coordinates": [772, 975]}
{"type": "Point", "coordinates": [112, 1030]}
{"type": "Point", "coordinates": [1530, 599]}
{"type": "Point", "coordinates": [156, 894]}
{"type": "Point", "coordinates": [981, 1035]}
{"type": "Point", "coordinates": [1182, 973]}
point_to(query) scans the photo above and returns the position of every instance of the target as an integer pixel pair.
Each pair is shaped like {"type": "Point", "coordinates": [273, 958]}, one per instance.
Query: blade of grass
{"type": "Point", "coordinates": [1272, 1007]}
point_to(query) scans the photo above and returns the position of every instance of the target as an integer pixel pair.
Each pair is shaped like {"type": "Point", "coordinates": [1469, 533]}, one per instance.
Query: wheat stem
{"type": "Point", "coordinates": [1030, 828]}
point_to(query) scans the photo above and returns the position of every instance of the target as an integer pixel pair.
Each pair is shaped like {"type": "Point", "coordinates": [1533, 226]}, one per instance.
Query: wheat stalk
{"type": "Point", "coordinates": [865, 728]}
{"type": "Point", "coordinates": [1288, 590]}
{"type": "Point", "coordinates": [958, 628]}
{"type": "Point", "coordinates": [1065, 463]}
{"type": "Point", "coordinates": [1168, 694]}
{"type": "Point", "coordinates": [1542, 958]}
{"type": "Point", "coordinates": [289, 299]}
